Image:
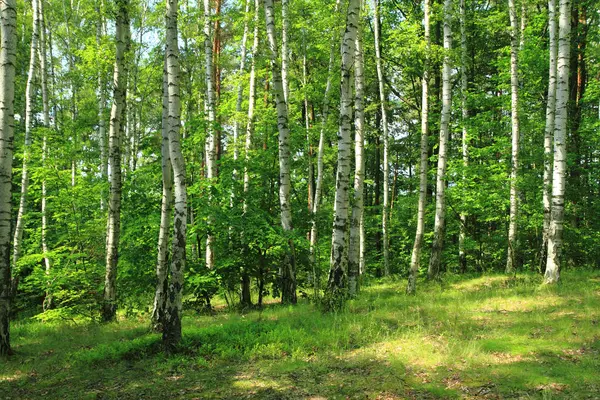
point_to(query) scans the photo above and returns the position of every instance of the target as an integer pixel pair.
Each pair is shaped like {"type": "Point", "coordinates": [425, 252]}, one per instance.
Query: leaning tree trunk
{"type": "Point", "coordinates": [462, 255]}
{"type": "Point", "coordinates": [385, 140]}
{"type": "Point", "coordinates": [560, 149]}
{"type": "Point", "coordinates": [288, 269]}
{"type": "Point", "coordinates": [8, 58]}
{"type": "Point", "coordinates": [440, 186]}
{"type": "Point", "coordinates": [29, 103]}
{"type": "Point", "coordinates": [117, 121]}
{"type": "Point", "coordinates": [549, 131]}
{"type": "Point", "coordinates": [160, 295]}
{"type": "Point", "coordinates": [354, 248]}
{"type": "Point", "coordinates": [339, 243]}
{"type": "Point", "coordinates": [172, 317]}
{"type": "Point", "coordinates": [415, 258]}
{"type": "Point", "coordinates": [514, 106]}
{"type": "Point", "coordinates": [211, 139]}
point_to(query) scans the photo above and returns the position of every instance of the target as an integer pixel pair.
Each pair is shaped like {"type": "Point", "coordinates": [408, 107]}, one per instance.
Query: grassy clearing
{"type": "Point", "coordinates": [486, 337]}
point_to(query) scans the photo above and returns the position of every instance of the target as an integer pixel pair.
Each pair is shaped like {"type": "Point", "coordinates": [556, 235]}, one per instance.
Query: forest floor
{"type": "Point", "coordinates": [489, 337]}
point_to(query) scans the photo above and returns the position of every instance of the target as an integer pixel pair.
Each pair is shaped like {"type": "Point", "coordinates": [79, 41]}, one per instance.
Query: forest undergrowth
{"type": "Point", "coordinates": [476, 337]}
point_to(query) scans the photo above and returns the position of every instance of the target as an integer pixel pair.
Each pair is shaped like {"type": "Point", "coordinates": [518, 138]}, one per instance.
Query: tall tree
{"type": "Point", "coordinates": [116, 131]}
{"type": "Point", "coordinates": [555, 240]}
{"type": "Point", "coordinates": [288, 269]}
{"type": "Point", "coordinates": [415, 258]}
{"type": "Point", "coordinates": [8, 58]}
{"type": "Point", "coordinates": [385, 140]}
{"type": "Point", "coordinates": [440, 185]}
{"type": "Point", "coordinates": [462, 255]}
{"type": "Point", "coordinates": [336, 284]}
{"type": "Point", "coordinates": [173, 309]}
{"type": "Point", "coordinates": [514, 112]}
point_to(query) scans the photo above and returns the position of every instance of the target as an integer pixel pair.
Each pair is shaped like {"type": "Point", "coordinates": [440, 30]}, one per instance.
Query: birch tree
{"type": "Point", "coordinates": [173, 309]}
{"type": "Point", "coordinates": [116, 130]}
{"type": "Point", "coordinates": [415, 258]}
{"type": "Point", "coordinates": [336, 284]}
{"type": "Point", "coordinates": [288, 269]}
{"type": "Point", "coordinates": [555, 240]}
{"type": "Point", "coordinates": [440, 186]}
{"type": "Point", "coordinates": [462, 255]}
{"type": "Point", "coordinates": [8, 56]}
{"type": "Point", "coordinates": [514, 106]}
{"type": "Point", "coordinates": [29, 115]}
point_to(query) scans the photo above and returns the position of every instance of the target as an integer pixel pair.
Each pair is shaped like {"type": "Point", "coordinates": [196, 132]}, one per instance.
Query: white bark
{"type": "Point", "coordinates": [173, 308]}
{"type": "Point", "coordinates": [549, 131]}
{"type": "Point", "coordinates": [440, 186]}
{"type": "Point", "coordinates": [29, 103]}
{"type": "Point", "coordinates": [354, 248]}
{"type": "Point", "coordinates": [117, 120]}
{"type": "Point", "coordinates": [240, 88]}
{"type": "Point", "coordinates": [8, 55]}
{"type": "Point", "coordinates": [514, 106]}
{"type": "Point", "coordinates": [385, 140]}
{"type": "Point", "coordinates": [211, 140]}
{"type": "Point", "coordinates": [339, 243]}
{"type": "Point", "coordinates": [285, 49]}
{"type": "Point", "coordinates": [288, 273]}
{"type": "Point", "coordinates": [560, 149]}
{"type": "Point", "coordinates": [415, 258]}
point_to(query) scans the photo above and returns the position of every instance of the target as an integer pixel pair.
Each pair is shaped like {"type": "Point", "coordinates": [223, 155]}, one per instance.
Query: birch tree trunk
{"type": "Point", "coordinates": [560, 149]}
{"type": "Point", "coordinates": [211, 139]}
{"type": "Point", "coordinates": [385, 140]}
{"type": "Point", "coordinates": [288, 269]}
{"type": "Point", "coordinates": [514, 105]}
{"type": "Point", "coordinates": [8, 56]}
{"type": "Point", "coordinates": [240, 88]}
{"type": "Point", "coordinates": [339, 244]}
{"type": "Point", "coordinates": [117, 122]}
{"type": "Point", "coordinates": [462, 255]}
{"type": "Point", "coordinates": [354, 248]}
{"type": "Point", "coordinates": [166, 210]}
{"type": "Point", "coordinates": [172, 317]}
{"type": "Point", "coordinates": [284, 49]}
{"type": "Point", "coordinates": [440, 186]}
{"type": "Point", "coordinates": [29, 104]}
{"type": "Point", "coordinates": [549, 131]}
{"type": "Point", "coordinates": [415, 258]}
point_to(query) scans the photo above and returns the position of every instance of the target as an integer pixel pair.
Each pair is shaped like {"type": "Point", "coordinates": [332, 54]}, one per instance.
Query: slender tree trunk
{"type": "Point", "coordinates": [8, 56]}
{"type": "Point", "coordinates": [415, 258]}
{"type": "Point", "coordinates": [240, 88]}
{"type": "Point", "coordinates": [117, 122]}
{"type": "Point", "coordinates": [385, 140]}
{"type": "Point", "coordinates": [284, 49]}
{"type": "Point", "coordinates": [160, 296]}
{"type": "Point", "coordinates": [354, 248]}
{"type": "Point", "coordinates": [549, 132]}
{"type": "Point", "coordinates": [440, 187]}
{"type": "Point", "coordinates": [339, 244]}
{"type": "Point", "coordinates": [560, 150]}
{"type": "Point", "coordinates": [101, 105]}
{"type": "Point", "coordinates": [462, 255]}
{"type": "Point", "coordinates": [211, 139]}
{"type": "Point", "coordinates": [173, 308]}
{"type": "Point", "coordinates": [512, 252]}
{"type": "Point", "coordinates": [29, 104]}
{"type": "Point", "coordinates": [288, 269]}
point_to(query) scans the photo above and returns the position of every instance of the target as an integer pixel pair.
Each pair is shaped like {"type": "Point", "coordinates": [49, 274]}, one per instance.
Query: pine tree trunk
{"type": "Point", "coordinates": [339, 244]}
{"type": "Point", "coordinates": [415, 258]}
{"type": "Point", "coordinates": [8, 56]}
{"type": "Point", "coordinates": [462, 255]}
{"type": "Point", "coordinates": [385, 140]}
{"type": "Point", "coordinates": [211, 139]}
{"type": "Point", "coordinates": [117, 122]}
{"type": "Point", "coordinates": [440, 186]}
{"type": "Point", "coordinates": [166, 210]}
{"type": "Point", "coordinates": [173, 309]}
{"type": "Point", "coordinates": [512, 251]}
{"type": "Point", "coordinates": [354, 248]}
{"type": "Point", "coordinates": [288, 269]}
{"type": "Point", "coordinates": [29, 104]}
{"type": "Point", "coordinates": [560, 149]}
{"type": "Point", "coordinates": [549, 131]}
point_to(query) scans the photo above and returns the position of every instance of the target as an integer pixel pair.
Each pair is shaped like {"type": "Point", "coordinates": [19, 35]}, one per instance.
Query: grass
{"type": "Point", "coordinates": [489, 337]}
